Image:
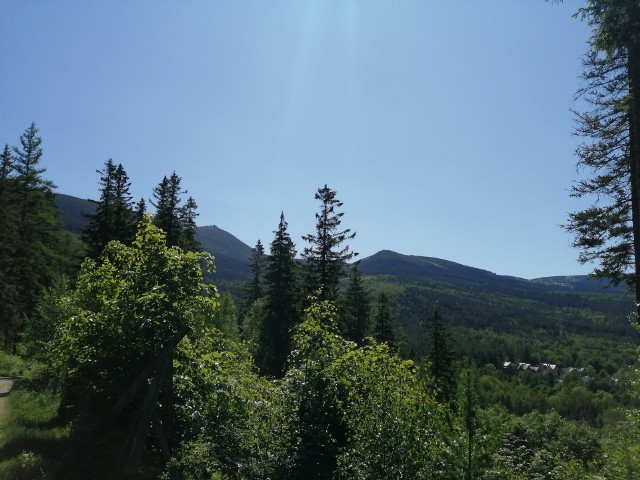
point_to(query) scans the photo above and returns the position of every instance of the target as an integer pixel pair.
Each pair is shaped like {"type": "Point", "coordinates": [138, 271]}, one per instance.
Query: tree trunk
{"type": "Point", "coordinates": [634, 158]}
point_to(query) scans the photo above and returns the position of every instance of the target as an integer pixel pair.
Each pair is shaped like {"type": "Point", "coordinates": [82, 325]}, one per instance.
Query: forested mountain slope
{"type": "Point", "coordinates": [231, 255]}
{"type": "Point", "coordinates": [474, 298]}
{"type": "Point", "coordinates": [467, 296]}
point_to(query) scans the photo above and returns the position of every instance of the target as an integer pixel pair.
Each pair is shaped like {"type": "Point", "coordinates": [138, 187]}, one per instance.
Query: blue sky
{"type": "Point", "coordinates": [445, 127]}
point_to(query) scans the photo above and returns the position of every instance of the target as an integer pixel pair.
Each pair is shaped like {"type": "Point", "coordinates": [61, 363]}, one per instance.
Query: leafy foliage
{"type": "Point", "coordinates": [233, 420]}
{"type": "Point", "coordinates": [122, 311]}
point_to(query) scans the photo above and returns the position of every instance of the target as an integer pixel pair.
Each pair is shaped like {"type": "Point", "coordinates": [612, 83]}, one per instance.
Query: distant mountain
{"type": "Point", "coordinates": [232, 258]}
{"type": "Point", "coordinates": [468, 297]}
{"type": "Point", "coordinates": [387, 262]}
{"type": "Point", "coordinates": [471, 298]}
{"type": "Point", "coordinates": [581, 283]}
{"type": "Point", "coordinates": [231, 255]}
{"type": "Point", "coordinates": [412, 267]}
{"type": "Point", "coordinates": [71, 211]}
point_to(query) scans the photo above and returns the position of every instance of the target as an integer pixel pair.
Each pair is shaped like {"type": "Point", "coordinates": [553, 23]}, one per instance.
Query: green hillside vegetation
{"type": "Point", "coordinates": [131, 356]}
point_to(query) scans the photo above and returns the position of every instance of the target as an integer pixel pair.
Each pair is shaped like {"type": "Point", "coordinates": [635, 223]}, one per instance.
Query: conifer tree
{"type": "Point", "coordinates": [139, 211]}
{"type": "Point", "coordinates": [37, 254]}
{"type": "Point", "coordinates": [167, 200]}
{"type": "Point", "coordinates": [384, 330]}
{"type": "Point", "coordinates": [113, 218]}
{"type": "Point", "coordinates": [326, 256]}
{"type": "Point", "coordinates": [355, 309]}
{"type": "Point", "coordinates": [176, 220]}
{"type": "Point", "coordinates": [608, 232]}
{"type": "Point", "coordinates": [282, 302]}
{"type": "Point", "coordinates": [188, 226]}
{"type": "Point", "coordinates": [253, 289]}
{"type": "Point", "coordinates": [9, 301]}
{"type": "Point", "coordinates": [124, 219]}
{"type": "Point", "coordinates": [441, 358]}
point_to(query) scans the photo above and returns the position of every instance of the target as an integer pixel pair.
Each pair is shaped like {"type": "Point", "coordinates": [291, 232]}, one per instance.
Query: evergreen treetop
{"type": "Point", "coordinates": [326, 255]}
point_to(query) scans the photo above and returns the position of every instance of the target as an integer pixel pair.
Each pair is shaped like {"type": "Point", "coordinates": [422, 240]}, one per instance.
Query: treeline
{"type": "Point", "coordinates": [336, 408]}
{"type": "Point", "coordinates": [34, 251]}
{"type": "Point", "coordinates": [309, 375]}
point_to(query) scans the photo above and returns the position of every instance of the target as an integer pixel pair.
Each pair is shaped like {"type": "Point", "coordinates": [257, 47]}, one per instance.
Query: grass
{"type": "Point", "coordinates": [11, 365]}
{"type": "Point", "coordinates": [31, 439]}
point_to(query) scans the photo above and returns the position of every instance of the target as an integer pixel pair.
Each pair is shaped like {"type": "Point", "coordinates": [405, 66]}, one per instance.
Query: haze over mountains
{"type": "Point", "coordinates": [232, 255]}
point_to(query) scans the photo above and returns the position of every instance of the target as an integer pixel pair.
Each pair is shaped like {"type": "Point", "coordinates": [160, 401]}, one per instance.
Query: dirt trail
{"type": "Point", "coordinates": [6, 384]}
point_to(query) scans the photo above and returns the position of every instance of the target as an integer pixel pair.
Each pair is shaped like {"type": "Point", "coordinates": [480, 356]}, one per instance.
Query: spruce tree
{"type": "Point", "coordinates": [188, 226]}
{"type": "Point", "coordinates": [282, 302]}
{"type": "Point", "coordinates": [253, 289]}
{"type": "Point", "coordinates": [354, 313]}
{"type": "Point", "coordinates": [384, 329]}
{"type": "Point", "coordinates": [608, 232]}
{"type": "Point", "coordinates": [37, 256]}
{"type": "Point", "coordinates": [441, 358]}
{"type": "Point", "coordinates": [166, 204]}
{"type": "Point", "coordinates": [114, 218]}
{"type": "Point", "coordinates": [124, 221]}
{"type": "Point", "coordinates": [139, 211]}
{"type": "Point", "coordinates": [9, 300]}
{"type": "Point", "coordinates": [326, 257]}
{"type": "Point", "coordinates": [177, 221]}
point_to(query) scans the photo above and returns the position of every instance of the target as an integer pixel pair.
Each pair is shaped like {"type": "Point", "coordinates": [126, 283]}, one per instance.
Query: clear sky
{"type": "Point", "coordinates": [444, 126]}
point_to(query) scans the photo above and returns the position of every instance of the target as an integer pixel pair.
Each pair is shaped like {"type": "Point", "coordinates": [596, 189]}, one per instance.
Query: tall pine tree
{"type": "Point", "coordinates": [139, 211]}
{"type": "Point", "coordinates": [188, 216]}
{"type": "Point", "coordinates": [176, 220]}
{"type": "Point", "coordinates": [254, 288]}
{"type": "Point", "coordinates": [326, 256]}
{"type": "Point", "coordinates": [441, 358]}
{"type": "Point", "coordinates": [354, 313]}
{"type": "Point", "coordinates": [282, 302]}
{"type": "Point", "coordinates": [9, 300]}
{"type": "Point", "coordinates": [608, 232]}
{"type": "Point", "coordinates": [384, 329]}
{"type": "Point", "coordinates": [37, 253]}
{"type": "Point", "coordinates": [113, 218]}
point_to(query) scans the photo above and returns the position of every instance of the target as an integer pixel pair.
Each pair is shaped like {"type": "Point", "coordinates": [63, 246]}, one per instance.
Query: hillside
{"type": "Point", "coordinates": [231, 255]}
{"type": "Point", "coordinates": [473, 297]}
{"type": "Point", "coordinates": [412, 267]}
{"type": "Point", "coordinates": [468, 297]}
{"type": "Point", "coordinates": [72, 210]}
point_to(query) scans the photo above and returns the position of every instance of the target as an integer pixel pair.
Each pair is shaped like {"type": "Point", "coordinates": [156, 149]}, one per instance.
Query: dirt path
{"type": "Point", "coordinates": [6, 384]}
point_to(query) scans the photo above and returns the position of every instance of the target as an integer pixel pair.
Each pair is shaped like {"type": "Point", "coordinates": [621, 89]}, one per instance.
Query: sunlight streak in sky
{"type": "Point", "coordinates": [298, 86]}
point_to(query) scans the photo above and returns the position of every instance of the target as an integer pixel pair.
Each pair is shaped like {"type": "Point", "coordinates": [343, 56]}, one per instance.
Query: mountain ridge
{"type": "Point", "coordinates": [232, 259]}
